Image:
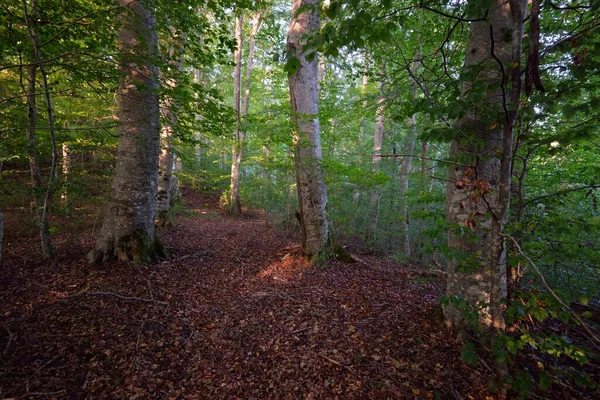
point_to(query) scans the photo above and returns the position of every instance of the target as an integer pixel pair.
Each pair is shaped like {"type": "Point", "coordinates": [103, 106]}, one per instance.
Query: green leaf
{"type": "Point", "coordinates": [292, 65]}
{"type": "Point", "coordinates": [467, 354]}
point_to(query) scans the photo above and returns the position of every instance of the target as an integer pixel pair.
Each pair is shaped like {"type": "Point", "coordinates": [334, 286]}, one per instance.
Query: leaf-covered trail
{"type": "Point", "coordinates": [244, 317]}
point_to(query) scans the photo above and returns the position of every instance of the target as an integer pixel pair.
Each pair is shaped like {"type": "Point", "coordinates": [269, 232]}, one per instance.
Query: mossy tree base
{"type": "Point", "coordinates": [130, 248]}
{"type": "Point", "coordinates": [164, 220]}
{"type": "Point", "coordinates": [332, 250]}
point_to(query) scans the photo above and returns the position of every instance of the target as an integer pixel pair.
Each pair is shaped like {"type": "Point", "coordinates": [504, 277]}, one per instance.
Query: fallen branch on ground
{"type": "Point", "coordinates": [115, 295]}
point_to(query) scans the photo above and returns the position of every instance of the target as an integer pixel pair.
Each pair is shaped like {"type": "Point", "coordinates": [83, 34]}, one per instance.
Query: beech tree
{"type": "Point", "coordinates": [304, 97]}
{"type": "Point", "coordinates": [166, 180]}
{"type": "Point", "coordinates": [128, 229]}
{"type": "Point", "coordinates": [478, 188]}
{"type": "Point", "coordinates": [238, 135]}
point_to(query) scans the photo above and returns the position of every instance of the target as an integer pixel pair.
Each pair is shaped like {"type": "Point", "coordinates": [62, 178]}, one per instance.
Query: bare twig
{"type": "Point", "coordinates": [117, 296]}
{"type": "Point", "coordinates": [337, 363]}
{"type": "Point", "coordinates": [43, 393]}
{"type": "Point", "coordinates": [10, 338]}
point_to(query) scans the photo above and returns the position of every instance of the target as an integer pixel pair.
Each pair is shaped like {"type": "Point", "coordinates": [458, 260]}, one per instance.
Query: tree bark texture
{"type": "Point", "coordinates": [377, 145]}
{"type": "Point", "coordinates": [167, 158]}
{"type": "Point", "coordinates": [238, 136]}
{"type": "Point", "coordinates": [304, 97]}
{"type": "Point", "coordinates": [128, 229]}
{"type": "Point", "coordinates": [66, 171]}
{"type": "Point", "coordinates": [478, 188]}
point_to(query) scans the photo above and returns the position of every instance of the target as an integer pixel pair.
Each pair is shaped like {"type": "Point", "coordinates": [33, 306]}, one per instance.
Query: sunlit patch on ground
{"type": "Point", "coordinates": [290, 268]}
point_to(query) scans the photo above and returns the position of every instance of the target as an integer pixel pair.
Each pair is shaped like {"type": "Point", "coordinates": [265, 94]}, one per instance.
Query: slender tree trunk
{"type": "Point", "coordinates": [66, 171]}
{"type": "Point", "coordinates": [165, 165]}
{"type": "Point", "coordinates": [256, 21]}
{"type": "Point", "coordinates": [42, 199]}
{"type": "Point", "coordinates": [478, 189]}
{"type": "Point", "coordinates": [424, 164]}
{"type": "Point", "coordinates": [238, 135]}
{"type": "Point", "coordinates": [1, 234]}
{"type": "Point", "coordinates": [377, 144]}
{"type": "Point", "coordinates": [406, 164]}
{"type": "Point", "coordinates": [361, 136]}
{"type": "Point", "coordinates": [304, 98]}
{"type": "Point", "coordinates": [166, 157]}
{"type": "Point", "coordinates": [128, 229]}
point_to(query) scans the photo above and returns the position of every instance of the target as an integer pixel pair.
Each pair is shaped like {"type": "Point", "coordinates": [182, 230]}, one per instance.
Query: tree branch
{"type": "Point", "coordinates": [117, 296]}
{"type": "Point", "coordinates": [536, 199]}
{"type": "Point", "coordinates": [589, 330]}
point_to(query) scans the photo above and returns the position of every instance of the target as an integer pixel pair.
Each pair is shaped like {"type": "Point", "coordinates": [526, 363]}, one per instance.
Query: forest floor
{"type": "Point", "coordinates": [234, 313]}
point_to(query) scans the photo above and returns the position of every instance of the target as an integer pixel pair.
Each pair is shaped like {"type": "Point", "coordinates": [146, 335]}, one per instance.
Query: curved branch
{"type": "Point", "coordinates": [536, 199]}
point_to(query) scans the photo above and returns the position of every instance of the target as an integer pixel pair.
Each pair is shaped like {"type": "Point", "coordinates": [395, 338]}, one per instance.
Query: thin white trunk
{"type": "Point", "coordinates": [377, 144]}
{"type": "Point", "coordinates": [238, 136]}
{"type": "Point", "coordinates": [166, 156]}
{"type": "Point", "coordinates": [304, 98]}
{"type": "Point", "coordinates": [66, 171]}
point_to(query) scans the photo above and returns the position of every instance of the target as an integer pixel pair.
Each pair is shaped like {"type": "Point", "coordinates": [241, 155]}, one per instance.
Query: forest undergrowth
{"type": "Point", "coordinates": [235, 312]}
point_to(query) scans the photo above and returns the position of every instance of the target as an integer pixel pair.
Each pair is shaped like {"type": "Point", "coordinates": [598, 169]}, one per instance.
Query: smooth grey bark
{"type": "Point", "coordinates": [66, 171]}
{"type": "Point", "coordinates": [377, 145]}
{"type": "Point", "coordinates": [304, 98]}
{"type": "Point", "coordinates": [361, 136]}
{"type": "Point", "coordinates": [166, 157]}
{"type": "Point", "coordinates": [165, 165]}
{"type": "Point", "coordinates": [235, 206]}
{"type": "Point", "coordinates": [128, 229]}
{"type": "Point", "coordinates": [250, 63]}
{"type": "Point", "coordinates": [42, 198]}
{"type": "Point", "coordinates": [478, 188]}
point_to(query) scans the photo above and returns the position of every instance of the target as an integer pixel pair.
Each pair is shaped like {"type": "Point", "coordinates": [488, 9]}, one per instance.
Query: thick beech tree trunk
{"type": "Point", "coordinates": [478, 189]}
{"type": "Point", "coordinates": [128, 229]}
{"type": "Point", "coordinates": [238, 135]}
{"type": "Point", "coordinates": [304, 97]}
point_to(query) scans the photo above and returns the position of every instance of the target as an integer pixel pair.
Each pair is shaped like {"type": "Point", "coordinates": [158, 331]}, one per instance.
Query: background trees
{"type": "Point", "coordinates": [395, 61]}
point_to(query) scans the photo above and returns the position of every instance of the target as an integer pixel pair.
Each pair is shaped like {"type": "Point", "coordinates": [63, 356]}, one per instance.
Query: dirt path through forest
{"type": "Point", "coordinates": [235, 313]}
